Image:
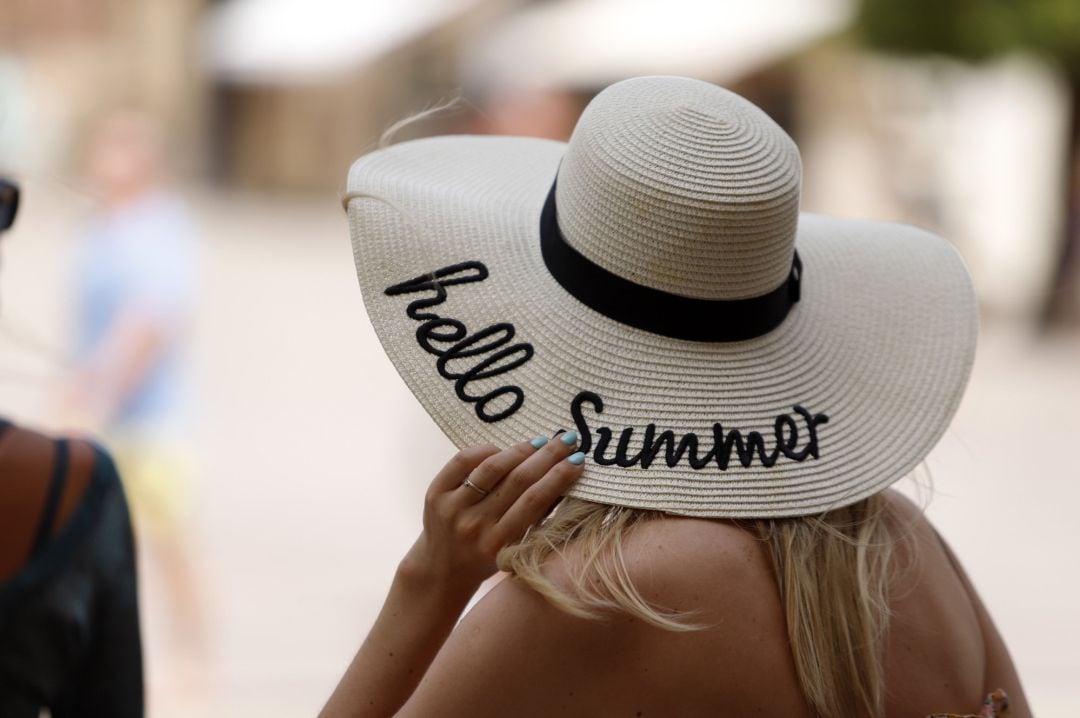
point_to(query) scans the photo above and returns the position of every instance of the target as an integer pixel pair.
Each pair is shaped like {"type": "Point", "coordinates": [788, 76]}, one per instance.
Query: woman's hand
{"type": "Point", "coordinates": [466, 524]}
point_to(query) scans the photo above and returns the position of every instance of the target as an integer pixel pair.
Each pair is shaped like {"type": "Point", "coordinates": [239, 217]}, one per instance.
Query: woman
{"type": "Point", "coordinates": [69, 623]}
{"type": "Point", "coordinates": [734, 386]}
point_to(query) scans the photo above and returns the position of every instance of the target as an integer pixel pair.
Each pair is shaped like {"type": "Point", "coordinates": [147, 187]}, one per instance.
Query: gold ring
{"type": "Point", "coordinates": [480, 490]}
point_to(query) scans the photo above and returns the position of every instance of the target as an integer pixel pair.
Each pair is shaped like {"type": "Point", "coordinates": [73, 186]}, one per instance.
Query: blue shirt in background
{"type": "Point", "coordinates": [140, 257]}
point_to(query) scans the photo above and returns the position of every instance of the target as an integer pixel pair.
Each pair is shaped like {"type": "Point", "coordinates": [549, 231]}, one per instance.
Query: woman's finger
{"type": "Point", "coordinates": [460, 466]}
{"type": "Point", "coordinates": [490, 472]}
{"type": "Point", "coordinates": [518, 481]}
{"type": "Point", "coordinates": [537, 501]}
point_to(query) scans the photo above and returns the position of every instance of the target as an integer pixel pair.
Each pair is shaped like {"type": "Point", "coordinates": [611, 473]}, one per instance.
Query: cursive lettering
{"type": "Point", "coordinates": [690, 445]}
{"type": "Point", "coordinates": [494, 340]}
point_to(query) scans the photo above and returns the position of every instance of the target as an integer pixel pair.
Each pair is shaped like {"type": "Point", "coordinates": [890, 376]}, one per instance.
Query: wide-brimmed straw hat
{"type": "Point", "coordinates": [652, 285]}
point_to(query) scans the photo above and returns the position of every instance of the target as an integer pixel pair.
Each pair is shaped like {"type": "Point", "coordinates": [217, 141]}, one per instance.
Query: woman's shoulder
{"type": "Point", "coordinates": [714, 576]}
{"type": "Point", "coordinates": [681, 561]}
{"type": "Point", "coordinates": [723, 570]}
{"type": "Point", "coordinates": [678, 548]}
{"type": "Point", "coordinates": [24, 446]}
{"type": "Point", "coordinates": [44, 479]}
{"type": "Point", "coordinates": [33, 454]}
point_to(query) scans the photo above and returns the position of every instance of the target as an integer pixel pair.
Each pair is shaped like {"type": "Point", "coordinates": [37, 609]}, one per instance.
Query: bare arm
{"type": "Point", "coordinates": [413, 624]}
{"type": "Point", "coordinates": [463, 532]}
{"type": "Point", "coordinates": [119, 365]}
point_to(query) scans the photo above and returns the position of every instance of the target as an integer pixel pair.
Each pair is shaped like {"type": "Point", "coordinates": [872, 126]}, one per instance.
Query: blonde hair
{"type": "Point", "coordinates": [832, 571]}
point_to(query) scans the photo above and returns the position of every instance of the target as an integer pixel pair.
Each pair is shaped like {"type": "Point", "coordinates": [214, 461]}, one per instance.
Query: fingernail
{"type": "Point", "coordinates": [538, 442]}
{"type": "Point", "coordinates": [569, 438]}
{"type": "Point", "coordinates": [576, 459]}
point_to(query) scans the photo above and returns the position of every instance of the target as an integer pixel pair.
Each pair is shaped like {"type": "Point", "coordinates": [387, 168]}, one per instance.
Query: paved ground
{"type": "Point", "coordinates": [313, 458]}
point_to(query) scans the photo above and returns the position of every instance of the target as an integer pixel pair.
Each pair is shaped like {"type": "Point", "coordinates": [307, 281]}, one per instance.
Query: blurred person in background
{"type": "Point", "coordinates": [134, 275]}
{"type": "Point", "coordinates": [69, 624]}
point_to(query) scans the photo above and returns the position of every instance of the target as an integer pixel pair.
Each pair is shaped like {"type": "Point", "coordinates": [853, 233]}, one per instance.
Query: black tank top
{"type": "Point", "coordinates": [69, 623]}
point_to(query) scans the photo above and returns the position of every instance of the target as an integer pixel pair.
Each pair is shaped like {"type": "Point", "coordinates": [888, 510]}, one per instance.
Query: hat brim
{"type": "Point", "coordinates": [882, 340]}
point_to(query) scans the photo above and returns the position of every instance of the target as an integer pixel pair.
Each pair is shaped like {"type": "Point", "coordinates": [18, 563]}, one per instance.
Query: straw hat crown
{"type": "Point", "coordinates": [681, 186]}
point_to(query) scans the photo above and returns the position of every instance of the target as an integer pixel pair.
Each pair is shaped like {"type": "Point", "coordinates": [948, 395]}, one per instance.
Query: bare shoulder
{"type": "Point", "coordinates": [905, 511]}
{"type": "Point", "coordinates": [943, 651]}
{"type": "Point", "coordinates": [715, 574]}
{"type": "Point", "coordinates": [711, 567]}
{"type": "Point", "coordinates": [721, 575]}
{"type": "Point", "coordinates": [27, 460]}
{"type": "Point", "coordinates": [710, 572]}
{"type": "Point", "coordinates": [902, 505]}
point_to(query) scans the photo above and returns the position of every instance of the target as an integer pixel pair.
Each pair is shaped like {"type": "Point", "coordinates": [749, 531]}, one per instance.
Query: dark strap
{"type": "Point", "coordinates": [52, 501]}
{"type": "Point", "coordinates": [706, 320]}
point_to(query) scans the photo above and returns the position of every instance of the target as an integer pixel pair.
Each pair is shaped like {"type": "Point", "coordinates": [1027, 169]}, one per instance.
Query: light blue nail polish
{"type": "Point", "coordinates": [569, 438]}
{"type": "Point", "coordinates": [538, 442]}
{"type": "Point", "coordinates": [576, 459]}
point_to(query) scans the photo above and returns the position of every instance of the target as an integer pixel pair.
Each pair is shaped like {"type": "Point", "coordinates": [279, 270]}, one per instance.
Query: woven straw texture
{"type": "Point", "coordinates": [681, 186]}
{"type": "Point", "coordinates": [684, 187]}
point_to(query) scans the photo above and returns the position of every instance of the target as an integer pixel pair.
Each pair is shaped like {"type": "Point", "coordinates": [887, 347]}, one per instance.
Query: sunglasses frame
{"type": "Point", "coordinates": [9, 203]}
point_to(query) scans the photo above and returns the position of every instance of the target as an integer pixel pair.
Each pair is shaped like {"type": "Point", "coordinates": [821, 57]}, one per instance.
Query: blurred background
{"type": "Point", "coordinates": [180, 280]}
